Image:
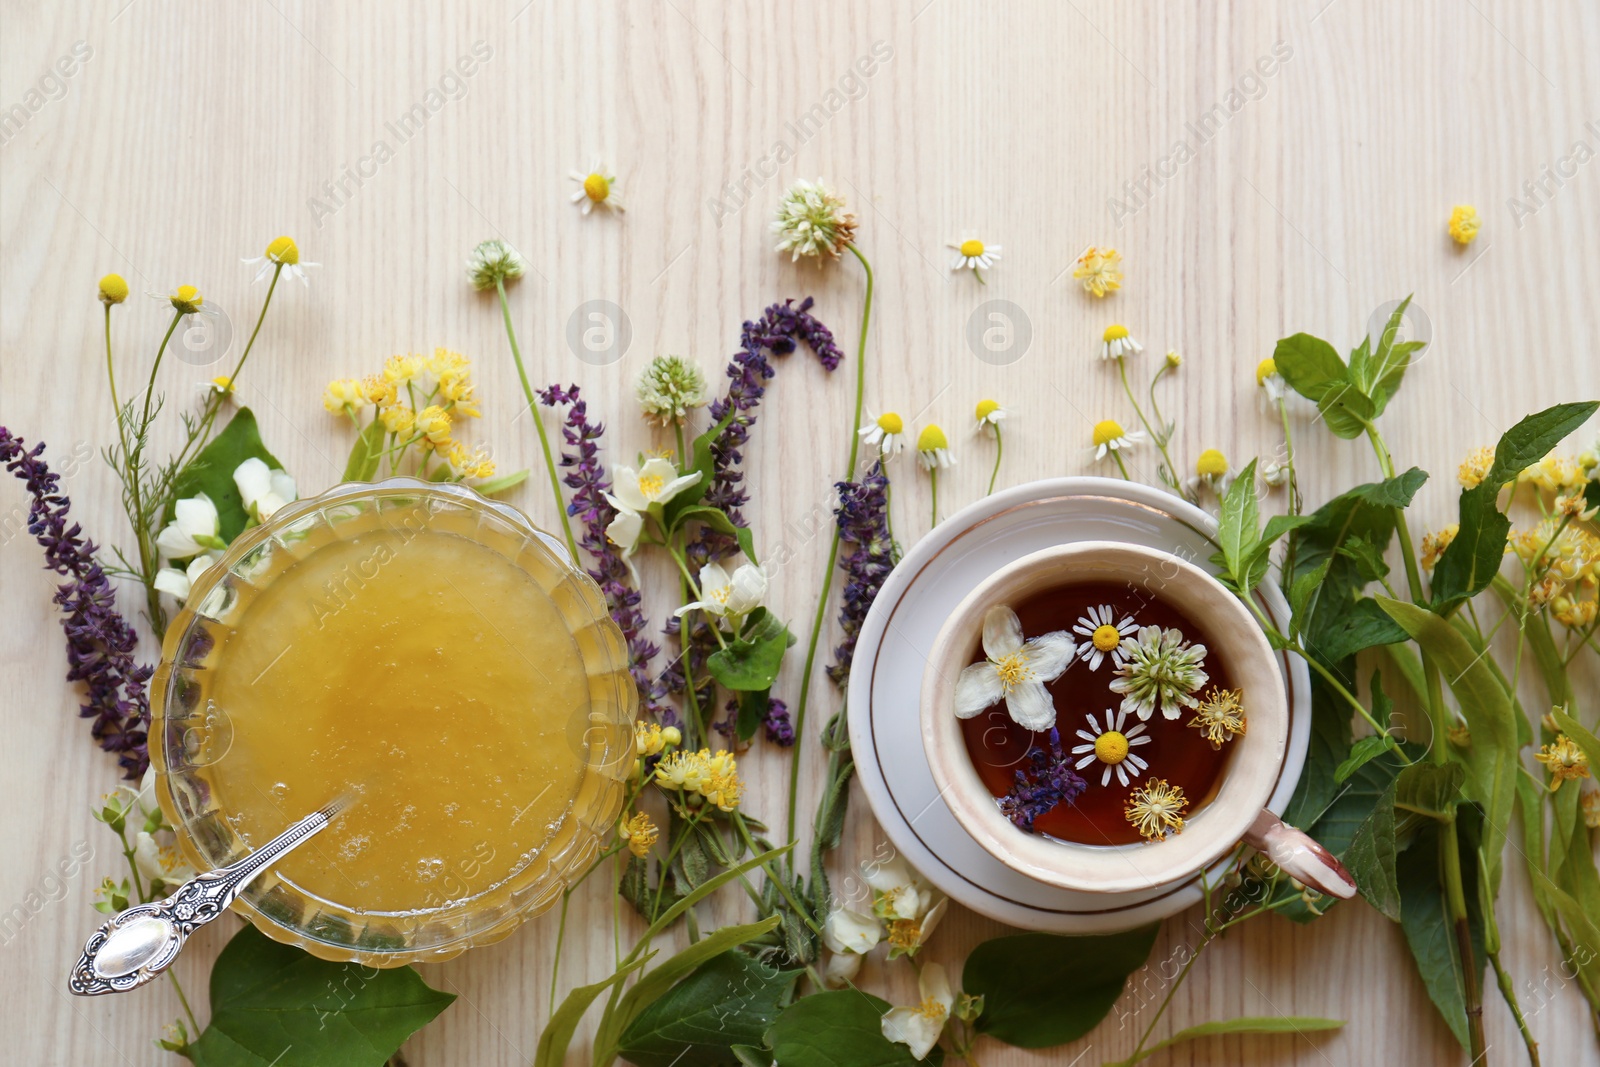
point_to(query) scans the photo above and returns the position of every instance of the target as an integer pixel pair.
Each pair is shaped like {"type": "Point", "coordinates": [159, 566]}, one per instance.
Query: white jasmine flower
{"type": "Point", "coordinates": [1109, 436]}
{"type": "Point", "coordinates": [193, 529]}
{"type": "Point", "coordinates": [729, 596]}
{"type": "Point", "coordinates": [178, 583]}
{"type": "Point", "coordinates": [848, 935]}
{"type": "Point", "coordinates": [1162, 670]}
{"type": "Point", "coordinates": [908, 907]}
{"type": "Point", "coordinates": [972, 254]}
{"type": "Point", "coordinates": [493, 261]}
{"type": "Point", "coordinates": [1111, 745]}
{"type": "Point", "coordinates": [160, 862]}
{"type": "Point", "coordinates": [656, 482]}
{"type": "Point", "coordinates": [1115, 343]}
{"type": "Point", "coordinates": [933, 448]}
{"type": "Point", "coordinates": [1105, 637]}
{"type": "Point", "coordinates": [919, 1027]}
{"type": "Point", "coordinates": [263, 489]}
{"type": "Point", "coordinates": [624, 530]}
{"type": "Point", "coordinates": [886, 433]}
{"type": "Point", "coordinates": [1015, 670]}
{"type": "Point", "coordinates": [668, 387]}
{"type": "Point", "coordinates": [812, 222]}
{"type": "Point", "coordinates": [281, 252]}
{"type": "Point", "coordinates": [595, 189]}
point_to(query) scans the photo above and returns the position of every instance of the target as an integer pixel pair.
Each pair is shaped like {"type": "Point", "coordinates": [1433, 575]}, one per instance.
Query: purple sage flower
{"type": "Point", "coordinates": [863, 517]}
{"type": "Point", "coordinates": [1047, 779]}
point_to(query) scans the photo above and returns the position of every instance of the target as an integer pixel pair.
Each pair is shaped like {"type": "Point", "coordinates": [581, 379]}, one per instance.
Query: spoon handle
{"type": "Point", "coordinates": [135, 945]}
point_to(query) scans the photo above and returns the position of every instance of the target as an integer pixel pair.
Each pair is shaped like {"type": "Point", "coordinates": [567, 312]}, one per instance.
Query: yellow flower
{"type": "Point", "coordinates": [640, 832]}
{"type": "Point", "coordinates": [988, 413]}
{"type": "Point", "coordinates": [1555, 473]}
{"type": "Point", "coordinates": [1220, 716]}
{"type": "Point", "coordinates": [933, 448]}
{"type": "Point", "coordinates": [378, 390]}
{"type": "Point", "coordinates": [1574, 614]}
{"type": "Point", "coordinates": [342, 395]}
{"type": "Point", "coordinates": [403, 369]}
{"type": "Point", "coordinates": [399, 419]}
{"type": "Point", "coordinates": [282, 254]}
{"type": "Point", "coordinates": [474, 464]}
{"type": "Point", "coordinates": [1211, 464]}
{"type": "Point", "coordinates": [1574, 506]}
{"type": "Point", "coordinates": [433, 423]}
{"type": "Point", "coordinates": [649, 738]}
{"type": "Point", "coordinates": [1109, 436]}
{"type": "Point", "coordinates": [1434, 544]}
{"type": "Point", "coordinates": [113, 289]}
{"type": "Point", "coordinates": [222, 384]}
{"type": "Point", "coordinates": [1116, 342]}
{"type": "Point", "coordinates": [1459, 735]}
{"type": "Point", "coordinates": [186, 300]}
{"type": "Point", "coordinates": [595, 189]}
{"type": "Point", "coordinates": [458, 390]}
{"type": "Point", "coordinates": [283, 250]}
{"type": "Point", "coordinates": [1590, 803]}
{"type": "Point", "coordinates": [1098, 270]}
{"type": "Point", "coordinates": [1463, 224]}
{"type": "Point", "coordinates": [1475, 468]}
{"type": "Point", "coordinates": [1156, 809]}
{"type": "Point", "coordinates": [447, 364]}
{"type": "Point", "coordinates": [715, 777]}
{"type": "Point", "coordinates": [1174, 361]}
{"type": "Point", "coordinates": [1564, 760]}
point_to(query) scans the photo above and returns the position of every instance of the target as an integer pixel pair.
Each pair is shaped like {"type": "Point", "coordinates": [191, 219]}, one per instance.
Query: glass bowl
{"type": "Point", "coordinates": [191, 731]}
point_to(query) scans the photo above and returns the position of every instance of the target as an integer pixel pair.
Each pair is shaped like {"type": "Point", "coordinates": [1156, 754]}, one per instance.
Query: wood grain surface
{"type": "Point", "coordinates": [1264, 169]}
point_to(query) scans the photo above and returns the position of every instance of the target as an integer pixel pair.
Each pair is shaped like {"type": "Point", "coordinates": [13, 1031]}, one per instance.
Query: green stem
{"type": "Point", "coordinates": [999, 449]}
{"type": "Point", "coordinates": [1456, 898]}
{"type": "Point", "coordinates": [888, 503]}
{"type": "Point", "coordinates": [684, 459]}
{"type": "Point", "coordinates": [1159, 439]}
{"type": "Point", "coordinates": [1116, 454]}
{"type": "Point", "coordinates": [177, 987]}
{"type": "Point", "coordinates": [1509, 994]}
{"type": "Point", "coordinates": [827, 573]}
{"type": "Point", "coordinates": [147, 553]}
{"type": "Point", "coordinates": [566, 897]}
{"type": "Point", "coordinates": [538, 421]}
{"type": "Point", "coordinates": [934, 475]}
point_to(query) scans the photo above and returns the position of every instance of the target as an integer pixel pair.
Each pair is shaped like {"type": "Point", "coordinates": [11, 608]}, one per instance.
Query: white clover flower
{"type": "Point", "coordinates": [1163, 670]}
{"type": "Point", "coordinates": [812, 222]}
{"type": "Point", "coordinates": [668, 387]}
{"type": "Point", "coordinates": [493, 262]}
{"type": "Point", "coordinates": [729, 596]}
{"type": "Point", "coordinates": [193, 529]}
{"type": "Point", "coordinates": [886, 433]}
{"type": "Point", "coordinates": [1015, 670]}
{"type": "Point", "coordinates": [282, 252]}
{"type": "Point", "coordinates": [596, 189]}
{"type": "Point", "coordinates": [263, 489]}
{"type": "Point", "coordinates": [1105, 636]}
{"type": "Point", "coordinates": [919, 1027]}
{"type": "Point", "coordinates": [1115, 343]}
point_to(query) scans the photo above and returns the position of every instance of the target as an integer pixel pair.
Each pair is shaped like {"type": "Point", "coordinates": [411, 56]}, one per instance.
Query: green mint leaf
{"type": "Point", "coordinates": [1310, 366]}
{"type": "Point", "coordinates": [1041, 990]}
{"type": "Point", "coordinates": [1239, 527]}
{"type": "Point", "coordinates": [1381, 377]}
{"type": "Point", "coordinates": [211, 472]}
{"type": "Point", "coordinates": [275, 1004]}
{"type": "Point", "coordinates": [838, 1029]}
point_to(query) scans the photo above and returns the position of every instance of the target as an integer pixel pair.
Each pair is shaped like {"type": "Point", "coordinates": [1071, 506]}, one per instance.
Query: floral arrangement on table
{"type": "Point", "coordinates": [1423, 825]}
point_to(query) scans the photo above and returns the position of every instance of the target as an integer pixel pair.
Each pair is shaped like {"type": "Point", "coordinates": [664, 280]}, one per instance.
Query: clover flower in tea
{"type": "Point", "coordinates": [1220, 716]}
{"type": "Point", "coordinates": [1014, 670]}
{"type": "Point", "coordinates": [1113, 746]}
{"type": "Point", "coordinates": [1163, 671]}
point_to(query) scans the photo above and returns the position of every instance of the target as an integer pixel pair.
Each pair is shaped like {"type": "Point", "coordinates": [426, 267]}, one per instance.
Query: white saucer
{"type": "Point", "coordinates": [885, 679]}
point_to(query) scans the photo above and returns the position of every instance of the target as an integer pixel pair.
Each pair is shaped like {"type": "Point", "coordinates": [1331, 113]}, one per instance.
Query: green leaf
{"type": "Point", "coordinates": [839, 1029]}
{"type": "Point", "coordinates": [1301, 592]}
{"type": "Point", "coordinates": [1041, 990]}
{"type": "Point", "coordinates": [701, 459]}
{"type": "Point", "coordinates": [700, 892]}
{"type": "Point", "coordinates": [365, 453]}
{"type": "Point", "coordinates": [1262, 1024]}
{"type": "Point", "coordinates": [1363, 751]}
{"type": "Point", "coordinates": [557, 1036]}
{"type": "Point", "coordinates": [751, 662]}
{"type": "Point", "coordinates": [1428, 789]}
{"type": "Point", "coordinates": [1239, 526]}
{"type": "Point", "coordinates": [500, 484]}
{"type": "Point", "coordinates": [1381, 376]}
{"type": "Point", "coordinates": [1329, 742]}
{"type": "Point", "coordinates": [728, 1001]}
{"type": "Point", "coordinates": [211, 472]}
{"type": "Point", "coordinates": [718, 520]}
{"type": "Point", "coordinates": [1491, 756]}
{"type": "Point", "coordinates": [1429, 932]}
{"type": "Point", "coordinates": [1369, 562]}
{"type": "Point", "coordinates": [275, 1004]}
{"type": "Point", "coordinates": [1363, 624]}
{"type": "Point", "coordinates": [1310, 366]}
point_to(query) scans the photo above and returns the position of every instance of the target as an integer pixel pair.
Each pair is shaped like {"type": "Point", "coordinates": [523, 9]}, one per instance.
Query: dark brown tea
{"type": "Point", "coordinates": [1175, 751]}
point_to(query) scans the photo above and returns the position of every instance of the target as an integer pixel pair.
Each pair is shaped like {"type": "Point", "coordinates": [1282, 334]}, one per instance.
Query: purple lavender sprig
{"type": "Point", "coordinates": [1047, 780]}
{"type": "Point", "coordinates": [100, 643]}
{"type": "Point", "coordinates": [587, 479]}
{"type": "Point", "coordinates": [863, 518]}
{"type": "Point", "coordinates": [779, 730]}
{"type": "Point", "coordinates": [778, 331]}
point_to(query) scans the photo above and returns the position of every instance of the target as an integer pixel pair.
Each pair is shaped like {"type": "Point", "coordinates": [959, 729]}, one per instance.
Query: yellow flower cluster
{"type": "Point", "coordinates": [1434, 544]}
{"type": "Point", "coordinates": [640, 832]}
{"type": "Point", "coordinates": [1475, 468]}
{"type": "Point", "coordinates": [419, 400]}
{"type": "Point", "coordinates": [715, 777]}
{"type": "Point", "coordinates": [1566, 561]}
{"type": "Point", "coordinates": [1555, 474]}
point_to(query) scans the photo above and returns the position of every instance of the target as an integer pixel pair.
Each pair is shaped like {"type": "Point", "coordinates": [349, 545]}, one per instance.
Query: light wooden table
{"type": "Point", "coordinates": [190, 134]}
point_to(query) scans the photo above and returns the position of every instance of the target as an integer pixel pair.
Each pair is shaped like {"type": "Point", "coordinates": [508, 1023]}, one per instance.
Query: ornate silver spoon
{"type": "Point", "coordinates": [136, 945]}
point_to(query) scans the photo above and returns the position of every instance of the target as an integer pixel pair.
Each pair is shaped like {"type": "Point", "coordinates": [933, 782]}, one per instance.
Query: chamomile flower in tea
{"type": "Point", "coordinates": [1014, 670]}
{"type": "Point", "coordinates": [1162, 671]}
{"type": "Point", "coordinates": [1112, 744]}
{"type": "Point", "coordinates": [1107, 636]}
{"type": "Point", "coordinates": [1156, 809]}
{"type": "Point", "coordinates": [1220, 716]}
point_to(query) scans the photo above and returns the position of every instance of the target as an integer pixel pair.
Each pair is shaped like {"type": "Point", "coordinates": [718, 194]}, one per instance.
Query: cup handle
{"type": "Point", "coordinates": [1298, 856]}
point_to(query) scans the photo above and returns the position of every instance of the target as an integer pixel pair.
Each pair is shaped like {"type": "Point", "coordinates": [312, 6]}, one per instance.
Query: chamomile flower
{"type": "Point", "coordinates": [493, 262]}
{"type": "Point", "coordinates": [1464, 224]}
{"type": "Point", "coordinates": [886, 433]}
{"type": "Point", "coordinates": [1113, 746]}
{"type": "Point", "coordinates": [595, 189]}
{"type": "Point", "coordinates": [1099, 270]}
{"type": "Point", "coordinates": [113, 289]}
{"type": "Point", "coordinates": [1211, 472]}
{"type": "Point", "coordinates": [1156, 809]}
{"type": "Point", "coordinates": [1109, 437]}
{"type": "Point", "coordinates": [1564, 760]}
{"type": "Point", "coordinates": [1116, 343]}
{"type": "Point", "coordinates": [972, 254]}
{"type": "Point", "coordinates": [1269, 381]}
{"type": "Point", "coordinates": [933, 448]}
{"type": "Point", "coordinates": [222, 385]}
{"type": "Point", "coordinates": [1014, 670]}
{"type": "Point", "coordinates": [1220, 715]}
{"type": "Point", "coordinates": [281, 253]}
{"type": "Point", "coordinates": [1105, 637]}
{"type": "Point", "coordinates": [989, 414]}
{"type": "Point", "coordinates": [186, 300]}
{"type": "Point", "coordinates": [812, 222]}
{"type": "Point", "coordinates": [1162, 670]}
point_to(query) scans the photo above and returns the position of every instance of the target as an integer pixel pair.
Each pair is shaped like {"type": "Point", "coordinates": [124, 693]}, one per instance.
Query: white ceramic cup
{"type": "Point", "coordinates": [1237, 810]}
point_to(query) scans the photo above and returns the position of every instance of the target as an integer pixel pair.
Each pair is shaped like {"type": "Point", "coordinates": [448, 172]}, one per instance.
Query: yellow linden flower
{"type": "Point", "coordinates": [457, 389]}
{"type": "Point", "coordinates": [1555, 473]}
{"type": "Point", "coordinates": [1464, 224]}
{"type": "Point", "coordinates": [1564, 760]}
{"type": "Point", "coordinates": [1574, 614]}
{"type": "Point", "coordinates": [1220, 716]}
{"type": "Point", "coordinates": [342, 395]}
{"type": "Point", "coordinates": [649, 738]}
{"type": "Point", "coordinates": [640, 832]}
{"type": "Point", "coordinates": [1434, 544]}
{"type": "Point", "coordinates": [433, 423]}
{"type": "Point", "coordinates": [1590, 803]}
{"type": "Point", "coordinates": [379, 390]}
{"type": "Point", "coordinates": [113, 289]}
{"type": "Point", "coordinates": [1475, 468]}
{"type": "Point", "coordinates": [474, 464]}
{"type": "Point", "coordinates": [399, 419]}
{"type": "Point", "coordinates": [403, 369]}
{"type": "Point", "coordinates": [445, 363]}
{"type": "Point", "coordinates": [1098, 270]}
{"type": "Point", "coordinates": [1156, 809]}
{"type": "Point", "coordinates": [715, 777]}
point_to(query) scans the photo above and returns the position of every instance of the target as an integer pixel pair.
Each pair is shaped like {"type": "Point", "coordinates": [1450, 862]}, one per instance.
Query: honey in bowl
{"type": "Point", "coordinates": [1172, 750]}
{"type": "Point", "coordinates": [424, 672]}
